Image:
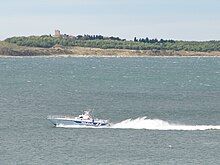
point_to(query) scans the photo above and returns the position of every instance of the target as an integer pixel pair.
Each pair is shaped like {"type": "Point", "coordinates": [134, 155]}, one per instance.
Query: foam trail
{"type": "Point", "coordinates": [149, 124]}
{"type": "Point", "coordinates": [157, 124]}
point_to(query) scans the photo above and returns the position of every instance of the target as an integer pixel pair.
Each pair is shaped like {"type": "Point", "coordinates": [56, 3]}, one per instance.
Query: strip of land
{"type": "Point", "coordinates": [8, 49]}
{"type": "Point", "coordinates": [87, 45]}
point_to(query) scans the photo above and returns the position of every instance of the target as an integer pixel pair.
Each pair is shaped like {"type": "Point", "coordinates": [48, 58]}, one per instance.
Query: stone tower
{"type": "Point", "coordinates": [57, 33]}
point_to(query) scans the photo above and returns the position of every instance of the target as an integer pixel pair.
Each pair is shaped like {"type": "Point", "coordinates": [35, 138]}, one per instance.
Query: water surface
{"type": "Point", "coordinates": [174, 91]}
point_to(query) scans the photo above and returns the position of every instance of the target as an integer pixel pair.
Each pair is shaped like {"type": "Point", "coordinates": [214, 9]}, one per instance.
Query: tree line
{"type": "Point", "coordinates": [155, 40]}
{"type": "Point", "coordinates": [96, 37]}
{"type": "Point", "coordinates": [99, 41]}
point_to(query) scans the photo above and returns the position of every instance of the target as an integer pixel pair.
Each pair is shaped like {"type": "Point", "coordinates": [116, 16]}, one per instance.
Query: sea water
{"type": "Point", "coordinates": [162, 110]}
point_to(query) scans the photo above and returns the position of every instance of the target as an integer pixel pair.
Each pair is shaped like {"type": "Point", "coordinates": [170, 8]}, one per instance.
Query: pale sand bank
{"type": "Point", "coordinates": [97, 52]}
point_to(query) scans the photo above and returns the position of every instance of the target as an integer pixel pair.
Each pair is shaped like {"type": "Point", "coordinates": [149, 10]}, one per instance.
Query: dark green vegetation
{"type": "Point", "coordinates": [15, 50]}
{"type": "Point", "coordinates": [98, 41]}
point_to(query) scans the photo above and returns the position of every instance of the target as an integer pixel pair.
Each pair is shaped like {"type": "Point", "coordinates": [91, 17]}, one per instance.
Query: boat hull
{"type": "Point", "coordinates": [71, 122]}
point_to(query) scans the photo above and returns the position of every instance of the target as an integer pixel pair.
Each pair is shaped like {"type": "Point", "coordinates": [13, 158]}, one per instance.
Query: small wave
{"type": "Point", "coordinates": [157, 124]}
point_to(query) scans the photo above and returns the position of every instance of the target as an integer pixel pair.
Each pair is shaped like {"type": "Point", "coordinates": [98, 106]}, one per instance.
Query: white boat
{"type": "Point", "coordinates": [85, 119]}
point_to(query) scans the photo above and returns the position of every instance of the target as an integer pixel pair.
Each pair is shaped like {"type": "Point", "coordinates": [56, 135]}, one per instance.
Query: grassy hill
{"type": "Point", "coordinates": [48, 41]}
{"type": "Point", "coordinates": [111, 46]}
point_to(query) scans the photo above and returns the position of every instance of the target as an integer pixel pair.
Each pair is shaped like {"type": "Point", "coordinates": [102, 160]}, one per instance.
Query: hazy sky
{"type": "Point", "coordinates": [168, 19]}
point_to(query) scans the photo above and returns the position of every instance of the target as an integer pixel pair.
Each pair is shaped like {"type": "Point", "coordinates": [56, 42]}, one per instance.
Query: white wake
{"type": "Point", "coordinates": [157, 124]}
{"type": "Point", "coordinates": [149, 124]}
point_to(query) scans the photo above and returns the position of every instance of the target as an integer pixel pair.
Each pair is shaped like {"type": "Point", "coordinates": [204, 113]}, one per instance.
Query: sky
{"type": "Point", "coordinates": [167, 19]}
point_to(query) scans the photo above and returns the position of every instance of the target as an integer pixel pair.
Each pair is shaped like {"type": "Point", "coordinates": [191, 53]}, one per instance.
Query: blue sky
{"type": "Point", "coordinates": [168, 19]}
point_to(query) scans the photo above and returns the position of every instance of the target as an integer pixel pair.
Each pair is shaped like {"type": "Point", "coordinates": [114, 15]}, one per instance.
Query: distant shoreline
{"type": "Point", "coordinates": [86, 55]}
{"type": "Point", "coordinates": [12, 50]}
{"type": "Point", "coordinates": [98, 56]}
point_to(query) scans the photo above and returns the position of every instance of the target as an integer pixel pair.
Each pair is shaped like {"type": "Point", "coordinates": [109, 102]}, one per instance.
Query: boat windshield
{"type": "Point", "coordinates": [86, 115]}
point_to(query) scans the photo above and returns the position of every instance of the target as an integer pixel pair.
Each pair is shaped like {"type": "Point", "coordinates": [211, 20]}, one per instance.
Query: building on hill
{"type": "Point", "coordinates": [65, 36]}
{"type": "Point", "coordinates": [57, 33]}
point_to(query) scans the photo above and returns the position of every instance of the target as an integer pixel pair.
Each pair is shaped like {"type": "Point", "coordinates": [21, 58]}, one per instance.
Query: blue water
{"type": "Point", "coordinates": [180, 92]}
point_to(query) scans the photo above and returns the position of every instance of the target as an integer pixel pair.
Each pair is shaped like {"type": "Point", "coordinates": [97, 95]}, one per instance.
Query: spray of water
{"type": "Point", "coordinates": [150, 124]}
{"type": "Point", "coordinates": [157, 124]}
